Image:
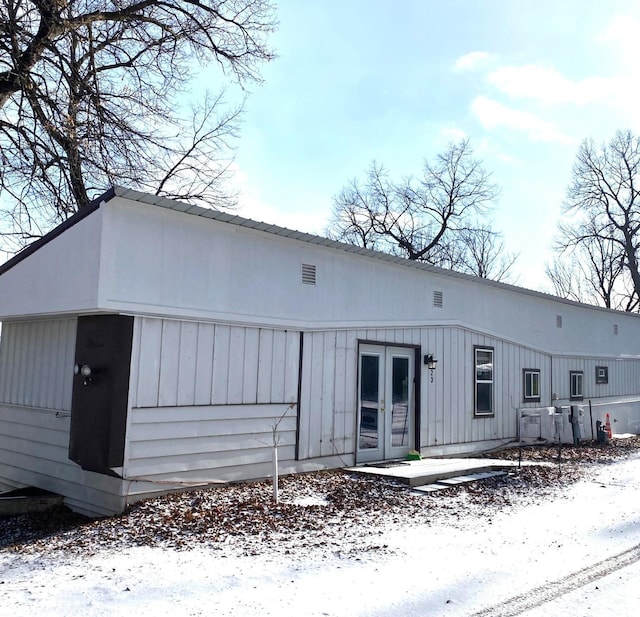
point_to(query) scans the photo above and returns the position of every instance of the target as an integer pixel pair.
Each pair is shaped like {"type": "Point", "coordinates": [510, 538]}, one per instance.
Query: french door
{"type": "Point", "coordinates": [385, 402]}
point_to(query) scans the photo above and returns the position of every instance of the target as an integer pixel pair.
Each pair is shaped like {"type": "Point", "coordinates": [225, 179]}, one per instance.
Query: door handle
{"type": "Point", "coordinates": [382, 405]}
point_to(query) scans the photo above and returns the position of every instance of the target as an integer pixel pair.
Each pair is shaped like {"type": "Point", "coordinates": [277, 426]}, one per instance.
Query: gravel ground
{"type": "Point", "coordinates": [329, 512]}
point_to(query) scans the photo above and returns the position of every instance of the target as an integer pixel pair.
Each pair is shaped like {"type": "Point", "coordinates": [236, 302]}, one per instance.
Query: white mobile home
{"type": "Point", "coordinates": [148, 344]}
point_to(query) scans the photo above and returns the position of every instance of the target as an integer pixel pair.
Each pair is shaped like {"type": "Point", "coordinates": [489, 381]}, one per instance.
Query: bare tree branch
{"type": "Point", "coordinates": [603, 231]}
{"type": "Point", "coordinates": [430, 218]}
{"type": "Point", "coordinates": [88, 98]}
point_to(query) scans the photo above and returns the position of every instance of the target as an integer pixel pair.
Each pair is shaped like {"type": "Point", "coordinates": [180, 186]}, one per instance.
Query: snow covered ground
{"type": "Point", "coordinates": [573, 554]}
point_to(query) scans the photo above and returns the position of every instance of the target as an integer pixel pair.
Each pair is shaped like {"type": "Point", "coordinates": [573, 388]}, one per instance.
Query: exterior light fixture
{"type": "Point", "coordinates": [430, 362]}
{"type": "Point", "coordinates": [85, 372]}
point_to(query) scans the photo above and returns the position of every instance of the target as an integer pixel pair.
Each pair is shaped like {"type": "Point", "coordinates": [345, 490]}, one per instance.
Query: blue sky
{"type": "Point", "coordinates": [396, 81]}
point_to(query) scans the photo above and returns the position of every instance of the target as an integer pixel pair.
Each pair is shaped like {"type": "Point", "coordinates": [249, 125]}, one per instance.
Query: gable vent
{"type": "Point", "coordinates": [438, 299]}
{"type": "Point", "coordinates": [615, 329]}
{"type": "Point", "coordinates": [308, 274]}
{"type": "Point", "coordinates": [558, 321]}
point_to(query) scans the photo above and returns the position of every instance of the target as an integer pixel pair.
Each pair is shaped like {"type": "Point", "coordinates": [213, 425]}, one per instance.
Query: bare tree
{"type": "Point", "coordinates": [484, 254]}
{"type": "Point", "coordinates": [431, 218]}
{"type": "Point", "coordinates": [567, 279]}
{"type": "Point", "coordinates": [88, 98]}
{"type": "Point", "coordinates": [602, 232]}
{"type": "Point", "coordinates": [591, 273]}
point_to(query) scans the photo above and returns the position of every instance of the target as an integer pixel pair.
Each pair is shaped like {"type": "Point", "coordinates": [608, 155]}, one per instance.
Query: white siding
{"type": "Point", "coordinates": [183, 363]}
{"type": "Point", "coordinates": [328, 394]}
{"type": "Point", "coordinates": [159, 261]}
{"type": "Point", "coordinates": [36, 363]}
{"type": "Point", "coordinates": [209, 443]}
{"type": "Point", "coordinates": [205, 399]}
{"type": "Point", "coordinates": [329, 388]}
{"type": "Point", "coordinates": [624, 377]}
{"type": "Point", "coordinates": [34, 452]}
{"type": "Point", "coordinates": [36, 372]}
{"type": "Point", "coordinates": [448, 402]}
{"type": "Point", "coordinates": [62, 277]}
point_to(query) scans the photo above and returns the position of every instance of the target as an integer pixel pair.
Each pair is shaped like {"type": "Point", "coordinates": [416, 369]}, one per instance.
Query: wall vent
{"type": "Point", "coordinates": [558, 321]}
{"type": "Point", "coordinates": [615, 329]}
{"type": "Point", "coordinates": [438, 299]}
{"type": "Point", "coordinates": [308, 274]}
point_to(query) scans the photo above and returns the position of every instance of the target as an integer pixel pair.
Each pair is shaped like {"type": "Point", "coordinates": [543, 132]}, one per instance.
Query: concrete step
{"type": "Point", "coordinates": [456, 481]}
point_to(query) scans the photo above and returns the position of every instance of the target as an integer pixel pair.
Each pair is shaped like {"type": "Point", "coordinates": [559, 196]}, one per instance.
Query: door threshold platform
{"type": "Point", "coordinates": [386, 464]}
{"type": "Point", "coordinates": [430, 471]}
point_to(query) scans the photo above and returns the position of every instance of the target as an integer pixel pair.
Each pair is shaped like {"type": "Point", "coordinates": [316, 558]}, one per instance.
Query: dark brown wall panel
{"type": "Point", "coordinates": [99, 401]}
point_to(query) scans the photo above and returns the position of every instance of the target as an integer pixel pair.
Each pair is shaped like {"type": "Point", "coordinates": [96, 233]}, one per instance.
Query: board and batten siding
{"type": "Point", "coordinates": [448, 401]}
{"type": "Point", "coordinates": [328, 405]}
{"type": "Point", "coordinates": [36, 373]}
{"type": "Point", "coordinates": [205, 398]}
{"type": "Point", "coordinates": [328, 394]}
{"type": "Point", "coordinates": [623, 377]}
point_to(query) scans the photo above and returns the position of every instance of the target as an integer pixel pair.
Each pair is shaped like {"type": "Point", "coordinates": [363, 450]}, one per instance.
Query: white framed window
{"type": "Point", "coordinates": [483, 381]}
{"type": "Point", "coordinates": [575, 385]}
{"type": "Point", "coordinates": [531, 385]}
{"type": "Point", "coordinates": [602, 374]}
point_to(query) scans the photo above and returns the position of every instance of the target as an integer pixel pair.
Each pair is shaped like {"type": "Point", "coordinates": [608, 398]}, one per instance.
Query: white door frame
{"type": "Point", "coordinates": [385, 425]}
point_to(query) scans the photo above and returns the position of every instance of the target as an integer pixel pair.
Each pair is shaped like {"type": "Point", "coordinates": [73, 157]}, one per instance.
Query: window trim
{"type": "Point", "coordinates": [492, 412]}
{"type": "Point", "coordinates": [532, 398]}
{"type": "Point", "coordinates": [575, 396]}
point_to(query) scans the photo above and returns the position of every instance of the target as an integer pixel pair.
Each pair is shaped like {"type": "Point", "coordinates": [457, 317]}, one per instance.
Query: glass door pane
{"type": "Point", "coordinates": [400, 402]}
{"type": "Point", "coordinates": [368, 434]}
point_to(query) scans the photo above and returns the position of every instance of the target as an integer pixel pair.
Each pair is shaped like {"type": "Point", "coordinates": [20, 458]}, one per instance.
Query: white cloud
{"type": "Point", "coordinates": [492, 114]}
{"type": "Point", "coordinates": [619, 86]}
{"type": "Point", "coordinates": [547, 85]}
{"type": "Point", "coordinates": [472, 61]}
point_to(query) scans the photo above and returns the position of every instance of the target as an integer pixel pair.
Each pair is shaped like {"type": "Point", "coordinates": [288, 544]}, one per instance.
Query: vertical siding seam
{"type": "Point", "coordinates": [213, 355]}
{"type": "Point", "coordinates": [298, 406]}
{"type": "Point", "coordinates": [162, 343]}
{"type": "Point", "coordinates": [195, 363]}
{"type": "Point", "coordinates": [132, 396]}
